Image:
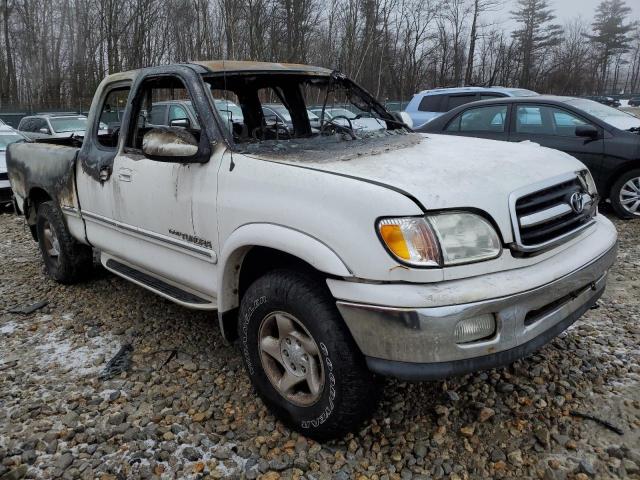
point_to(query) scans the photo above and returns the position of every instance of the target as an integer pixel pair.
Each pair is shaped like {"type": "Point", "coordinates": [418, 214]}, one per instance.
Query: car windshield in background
{"type": "Point", "coordinates": [8, 138]}
{"type": "Point", "coordinates": [68, 124]}
{"type": "Point", "coordinates": [281, 110]}
{"type": "Point", "coordinates": [610, 115]}
{"type": "Point", "coordinates": [229, 109]}
{"type": "Point", "coordinates": [521, 92]}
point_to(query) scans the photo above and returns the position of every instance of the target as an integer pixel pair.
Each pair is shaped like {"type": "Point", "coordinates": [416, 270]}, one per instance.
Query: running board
{"type": "Point", "coordinates": [159, 286]}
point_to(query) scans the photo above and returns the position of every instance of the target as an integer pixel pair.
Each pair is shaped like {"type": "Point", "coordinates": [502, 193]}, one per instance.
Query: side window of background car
{"type": "Point", "coordinates": [565, 123]}
{"type": "Point", "coordinates": [433, 103]}
{"type": "Point", "coordinates": [457, 100]}
{"type": "Point", "coordinates": [490, 119]}
{"type": "Point", "coordinates": [489, 96]}
{"type": "Point", "coordinates": [25, 125]}
{"type": "Point", "coordinates": [41, 126]}
{"type": "Point", "coordinates": [546, 120]}
{"type": "Point", "coordinates": [176, 112]}
{"type": "Point", "coordinates": [158, 114]}
{"type": "Point", "coordinates": [530, 119]}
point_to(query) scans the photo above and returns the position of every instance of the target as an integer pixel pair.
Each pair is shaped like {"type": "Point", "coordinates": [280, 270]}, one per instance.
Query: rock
{"type": "Point", "coordinates": [630, 466]}
{"type": "Point", "coordinates": [498, 455]}
{"type": "Point", "coordinates": [64, 461]}
{"type": "Point", "coordinates": [515, 457]}
{"type": "Point", "coordinates": [453, 396]}
{"type": "Point", "coordinates": [270, 476]}
{"type": "Point", "coordinates": [467, 431]}
{"type": "Point", "coordinates": [191, 454]}
{"type": "Point", "coordinates": [420, 449]}
{"type": "Point", "coordinates": [585, 467]}
{"type": "Point", "coordinates": [485, 414]}
{"type": "Point", "coordinates": [117, 418]}
{"type": "Point", "coordinates": [542, 435]}
{"type": "Point", "coordinates": [15, 474]}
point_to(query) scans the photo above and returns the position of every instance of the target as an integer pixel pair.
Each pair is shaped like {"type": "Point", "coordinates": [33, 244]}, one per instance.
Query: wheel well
{"type": "Point", "coordinates": [257, 262]}
{"type": "Point", "coordinates": [613, 178]}
{"type": "Point", "coordinates": [260, 260]}
{"type": "Point", "coordinates": [36, 197]}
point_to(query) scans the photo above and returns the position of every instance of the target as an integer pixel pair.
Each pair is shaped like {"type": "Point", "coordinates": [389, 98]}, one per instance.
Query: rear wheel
{"type": "Point", "coordinates": [301, 357]}
{"type": "Point", "coordinates": [65, 260]}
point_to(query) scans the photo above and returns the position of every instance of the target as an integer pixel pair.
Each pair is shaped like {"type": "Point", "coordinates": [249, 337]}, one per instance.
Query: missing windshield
{"type": "Point", "coordinates": [294, 110]}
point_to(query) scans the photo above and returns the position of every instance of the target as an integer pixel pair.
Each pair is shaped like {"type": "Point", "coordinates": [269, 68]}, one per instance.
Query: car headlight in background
{"type": "Point", "coordinates": [442, 239]}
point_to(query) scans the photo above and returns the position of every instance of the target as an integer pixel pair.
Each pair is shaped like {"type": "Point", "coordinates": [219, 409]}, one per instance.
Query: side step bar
{"type": "Point", "coordinates": [159, 286]}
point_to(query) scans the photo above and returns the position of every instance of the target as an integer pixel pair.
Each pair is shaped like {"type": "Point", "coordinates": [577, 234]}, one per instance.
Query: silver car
{"type": "Point", "coordinates": [54, 125]}
{"type": "Point", "coordinates": [7, 136]}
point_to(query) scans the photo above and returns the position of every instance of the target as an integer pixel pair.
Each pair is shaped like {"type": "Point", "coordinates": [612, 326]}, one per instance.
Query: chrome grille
{"type": "Point", "coordinates": [550, 214]}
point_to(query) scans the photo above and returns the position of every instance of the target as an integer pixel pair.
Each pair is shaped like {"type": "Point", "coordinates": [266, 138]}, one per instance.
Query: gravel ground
{"type": "Point", "coordinates": [185, 408]}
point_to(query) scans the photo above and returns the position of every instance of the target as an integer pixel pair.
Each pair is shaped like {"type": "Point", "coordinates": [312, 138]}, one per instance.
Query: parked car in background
{"type": "Point", "coordinates": [634, 102]}
{"type": "Point", "coordinates": [604, 138]}
{"type": "Point", "coordinates": [174, 113]}
{"type": "Point", "coordinates": [429, 104]}
{"type": "Point", "coordinates": [343, 116]}
{"type": "Point", "coordinates": [277, 114]}
{"type": "Point", "coordinates": [605, 100]}
{"type": "Point", "coordinates": [54, 125]}
{"type": "Point", "coordinates": [7, 136]}
{"type": "Point", "coordinates": [180, 113]}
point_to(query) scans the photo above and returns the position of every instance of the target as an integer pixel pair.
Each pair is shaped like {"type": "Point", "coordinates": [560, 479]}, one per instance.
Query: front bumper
{"type": "Point", "coordinates": [419, 343]}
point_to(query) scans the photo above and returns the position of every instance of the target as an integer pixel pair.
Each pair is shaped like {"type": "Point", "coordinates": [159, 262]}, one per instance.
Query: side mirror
{"type": "Point", "coordinates": [169, 144]}
{"type": "Point", "coordinates": [588, 131]}
{"type": "Point", "coordinates": [403, 117]}
{"type": "Point", "coordinates": [45, 131]}
{"type": "Point", "coordinates": [180, 122]}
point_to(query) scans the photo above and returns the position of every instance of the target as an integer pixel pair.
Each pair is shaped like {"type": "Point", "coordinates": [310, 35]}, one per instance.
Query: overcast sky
{"type": "Point", "coordinates": [564, 10]}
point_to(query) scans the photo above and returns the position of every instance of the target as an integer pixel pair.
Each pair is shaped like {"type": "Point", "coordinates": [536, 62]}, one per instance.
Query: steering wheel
{"type": "Point", "coordinates": [259, 133]}
{"type": "Point", "coordinates": [338, 127]}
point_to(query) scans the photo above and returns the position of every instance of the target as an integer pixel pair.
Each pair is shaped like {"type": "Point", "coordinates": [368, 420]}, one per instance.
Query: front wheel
{"type": "Point", "coordinates": [301, 358]}
{"type": "Point", "coordinates": [625, 195]}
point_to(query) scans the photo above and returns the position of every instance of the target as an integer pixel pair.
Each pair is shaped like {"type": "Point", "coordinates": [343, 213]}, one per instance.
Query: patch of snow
{"type": "Point", "coordinates": [8, 328]}
{"type": "Point", "coordinates": [54, 349]}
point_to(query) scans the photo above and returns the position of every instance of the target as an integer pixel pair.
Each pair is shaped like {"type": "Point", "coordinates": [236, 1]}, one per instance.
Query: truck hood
{"type": "Point", "coordinates": [444, 172]}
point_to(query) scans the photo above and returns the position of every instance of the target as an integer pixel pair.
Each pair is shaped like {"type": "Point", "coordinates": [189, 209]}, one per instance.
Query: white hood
{"type": "Point", "coordinates": [445, 172]}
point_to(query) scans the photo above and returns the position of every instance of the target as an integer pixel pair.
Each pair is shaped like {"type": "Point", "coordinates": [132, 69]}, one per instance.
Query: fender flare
{"type": "Point", "coordinates": [278, 237]}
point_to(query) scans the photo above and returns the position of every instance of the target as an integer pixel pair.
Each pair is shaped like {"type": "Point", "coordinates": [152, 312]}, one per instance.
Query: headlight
{"type": "Point", "coordinates": [442, 239]}
{"type": "Point", "coordinates": [465, 238]}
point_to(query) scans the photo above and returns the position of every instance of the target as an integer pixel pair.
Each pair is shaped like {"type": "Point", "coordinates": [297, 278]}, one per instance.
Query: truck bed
{"type": "Point", "coordinates": [44, 166]}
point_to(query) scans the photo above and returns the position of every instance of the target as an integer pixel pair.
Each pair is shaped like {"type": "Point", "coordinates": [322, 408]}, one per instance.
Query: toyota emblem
{"type": "Point", "coordinates": [576, 202]}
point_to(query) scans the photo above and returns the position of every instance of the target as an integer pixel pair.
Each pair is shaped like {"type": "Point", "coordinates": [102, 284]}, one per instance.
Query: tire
{"type": "Point", "coordinates": [65, 260]}
{"type": "Point", "coordinates": [623, 190]}
{"type": "Point", "coordinates": [348, 391]}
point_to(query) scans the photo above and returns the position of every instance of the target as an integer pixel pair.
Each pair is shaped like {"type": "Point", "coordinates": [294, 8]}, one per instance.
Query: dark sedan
{"type": "Point", "coordinates": [605, 139]}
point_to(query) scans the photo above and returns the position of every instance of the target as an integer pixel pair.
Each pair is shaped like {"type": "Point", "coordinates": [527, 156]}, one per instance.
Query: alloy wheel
{"type": "Point", "coordinates": [630, 196]}
{"type": "Point", "coordinates": [51, 243]}
{"type": "Point", "coordinates": [291, 359]}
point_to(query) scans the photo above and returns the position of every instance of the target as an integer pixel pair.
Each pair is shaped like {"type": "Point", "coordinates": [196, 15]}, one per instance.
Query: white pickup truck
{"type": "Point", "coordinates": [333, 256]}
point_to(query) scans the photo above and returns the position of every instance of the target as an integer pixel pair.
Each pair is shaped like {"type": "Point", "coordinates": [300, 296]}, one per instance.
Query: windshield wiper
{"type": "Point", "coordinates": [634, 129]}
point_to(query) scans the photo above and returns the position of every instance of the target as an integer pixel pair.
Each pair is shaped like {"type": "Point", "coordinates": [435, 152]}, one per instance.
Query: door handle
{"type": "Point", "coordinates": [124, 175]}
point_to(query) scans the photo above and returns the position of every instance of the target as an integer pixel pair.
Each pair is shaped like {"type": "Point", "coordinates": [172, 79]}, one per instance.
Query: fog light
{"type": "Point", "coordinates": [475, 328]}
